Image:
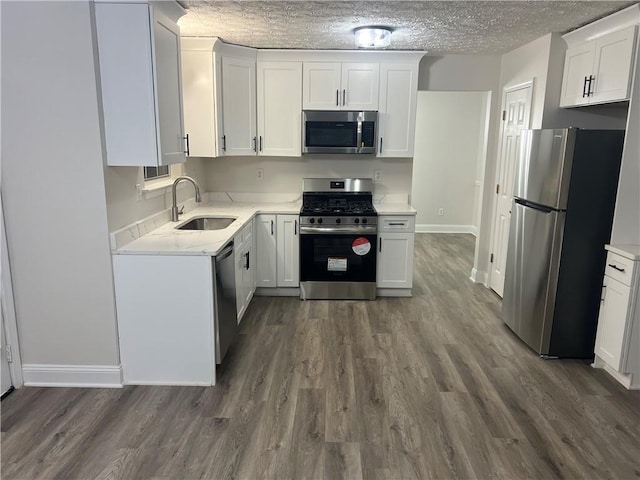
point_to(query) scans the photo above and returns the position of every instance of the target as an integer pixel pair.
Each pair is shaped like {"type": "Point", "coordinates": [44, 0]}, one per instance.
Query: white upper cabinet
{"type": "Point", "coordinates": [599, 71]}
{"type": "Point", "coordinates": [199, 100]}
{"type": "Point", "coordinates": [279, 109]}
{"type": "Point", "coordinates": [397, 114]}
{"type": "Point", "coordinates": [340, 86]}
{"type": "Point", "coordinates": [141, 84]}
{"type": "Point", "coordinates": [238, 106]}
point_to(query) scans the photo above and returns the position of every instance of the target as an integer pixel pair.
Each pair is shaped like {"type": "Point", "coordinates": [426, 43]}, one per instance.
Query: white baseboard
{"type": "Point", "coordinates": [432, 228]}
{"type": "Point", "coordinates": [86, 376]}
{"type": "Point", "coordinates": [478, 276]}
{"type": "Point", "coordinates": [394, 292]}
{"type": "Point", "coordinates": [277, 292]}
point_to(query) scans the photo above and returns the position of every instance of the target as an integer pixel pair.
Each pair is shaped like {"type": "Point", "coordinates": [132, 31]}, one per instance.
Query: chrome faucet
{"type": "Point", "coordinates": [174, 208]}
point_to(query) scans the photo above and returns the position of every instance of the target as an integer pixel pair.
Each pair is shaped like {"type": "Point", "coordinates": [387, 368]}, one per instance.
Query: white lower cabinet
{"type": "Point", "coordinates": [245, 268]}
{"type": "Point", "coordinates": [265, 231]}
{"type": "Point", "coordinates": [395, 252]}
{"type": "Point", "coordinates": [288, 251]}
{"type": "Point", "coordinates": [165, 319]}
{"type": "Point", "coordinates": [618, 337]}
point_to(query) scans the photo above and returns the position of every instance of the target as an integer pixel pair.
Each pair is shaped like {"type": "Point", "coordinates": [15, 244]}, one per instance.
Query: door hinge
{"type": "Point", "coordinates": [497, 188]}
{"type": "Point", "coordinates": [504, 115]}
{"type": "Point", "coordinates": [491, 258]}
{"type": "Point", "coordinates": [9, 353]}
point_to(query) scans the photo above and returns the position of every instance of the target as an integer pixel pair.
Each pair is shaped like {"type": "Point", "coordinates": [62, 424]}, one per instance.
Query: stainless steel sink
{"type": "Point", "coordinates": [207, 223]}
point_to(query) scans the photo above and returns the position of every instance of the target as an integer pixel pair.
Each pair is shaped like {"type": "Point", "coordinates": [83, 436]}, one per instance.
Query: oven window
{"type": "Point", "coordinates": [331, 134]}
{"type": "Point", "coordinates": [338, 258]}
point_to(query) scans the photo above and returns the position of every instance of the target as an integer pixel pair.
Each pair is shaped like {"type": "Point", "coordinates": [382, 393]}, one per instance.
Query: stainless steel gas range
{"type": "Point", "coordinates": [338, 239]}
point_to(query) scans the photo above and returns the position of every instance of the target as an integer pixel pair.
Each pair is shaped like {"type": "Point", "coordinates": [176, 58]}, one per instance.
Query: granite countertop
{"type": "Point", "coordinates": [632, 252]}
{"type": "Point", "coordinates": [164, 239]}
{"type": "Point", "coordinates": [167, 240]}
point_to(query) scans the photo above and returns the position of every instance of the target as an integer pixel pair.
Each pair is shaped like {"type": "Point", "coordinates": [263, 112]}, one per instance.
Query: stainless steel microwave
{"type": "Point", "coordinates": [339, 132]}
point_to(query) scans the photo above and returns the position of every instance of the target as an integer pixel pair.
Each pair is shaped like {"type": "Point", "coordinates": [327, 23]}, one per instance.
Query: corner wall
{"type": "Point", "coordinates": [53, 194]}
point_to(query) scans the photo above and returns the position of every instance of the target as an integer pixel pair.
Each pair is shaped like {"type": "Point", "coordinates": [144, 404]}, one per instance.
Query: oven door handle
{"type": "Point", "coordinates": [338, 230]}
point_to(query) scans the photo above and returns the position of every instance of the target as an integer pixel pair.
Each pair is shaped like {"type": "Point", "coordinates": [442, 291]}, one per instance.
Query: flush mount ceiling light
{"type": "Point", "coordinates": [372, 37]}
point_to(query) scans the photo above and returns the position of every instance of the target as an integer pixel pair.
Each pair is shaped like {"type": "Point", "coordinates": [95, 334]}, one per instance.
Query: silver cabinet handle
{"type": "Point", "coordinates": [260, 142]}
{"type": "Point", "coordinates": [272, 227]}
{"type": "Point", "coordinates": [255, 145]}
{"type": "Point", "coordinates": [398, 224]}
{"type": "Point", "coordinates": [380, 246]}
{"type": "Point", "coordinates": [344, 97]}
{"type": "Point", "coordinates": [337, 98]}
{"type": "Point", "coordinates": [615, 267]}
{"type": "Point", "coordinates": [584, 87]}
{"type": "Point", "coordinates": [224, 143]}
{"type": "Point", "coordinates": [187, 139]}
{"type": "Point", "coordinates": [380, 144]}
{"type": "Point", "coordinates": [295, 227]}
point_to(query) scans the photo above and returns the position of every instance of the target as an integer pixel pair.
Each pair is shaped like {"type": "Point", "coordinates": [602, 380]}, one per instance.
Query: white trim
{"type": "Point", "coordinates": [394, 292]}
{"type": "Point", "coordinates": [478, 276]}
{"type": "Point", "coordinates": [85, 376]}
{"type": "Point", "coordinates": [171, 383]}
{"type": "Point", "coordinates": [434, 228]}
{"type": "Point", "coordinates": [612, 23]}
{"type": "Point", "coordinates": [625, 379]}
{"type": "Point", "coordinates": [277, 292]}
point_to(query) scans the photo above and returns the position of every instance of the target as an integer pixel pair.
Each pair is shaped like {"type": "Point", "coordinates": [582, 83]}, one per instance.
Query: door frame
{"type": "Point", "coordinates": [8, 307]}
{"type": "Point", "coordinates": [494, 203]}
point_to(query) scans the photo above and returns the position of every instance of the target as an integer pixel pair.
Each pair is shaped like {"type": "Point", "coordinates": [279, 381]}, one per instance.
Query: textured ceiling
{"type": "Point", "coordinates": [439, 27]}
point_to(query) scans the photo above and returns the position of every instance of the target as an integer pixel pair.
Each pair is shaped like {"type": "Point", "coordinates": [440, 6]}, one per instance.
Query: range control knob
{"type": "Point", "coordinates": [357, 220]}
{"type": "Point", "coordinates": [319, 220]}
{"type": "Point", "coordinates": [364, 220]}
{"type": "Point", "coordinates": [338, 220]}
{"type": "Point", "coordinates": [312, 220]}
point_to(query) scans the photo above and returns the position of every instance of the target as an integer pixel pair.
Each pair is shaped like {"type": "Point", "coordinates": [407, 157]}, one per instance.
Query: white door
{"type": "Point", "coordinates": [288, 251]}
{"type": "Point", "coordinates": [321, 86]}
{"type": "Point", "coordinates": [5, 374]}
{"type": "Point", "coordinates": [360, 83]}
{"type": "Point", "coordinates": [265, 228]}
{"type": "Point", "coordinates": [612, 66]}
{"type": "Point", "coordinates": [279, 109]}
{"type": "Point", "coordinates": [578, 65]}
{"type": "Point", "coordinates": [516, 113]}
{"type": "Point", "coordinates": [239, 106]}
{"type": "Point", "coordinates": [397, 114]}
{"type": "Point", "coordinates": [395, 260]}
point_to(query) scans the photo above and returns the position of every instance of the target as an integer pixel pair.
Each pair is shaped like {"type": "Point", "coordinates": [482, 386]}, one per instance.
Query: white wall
{"type": "Point", "coordinates": [125, 206]}
{"type": "Point", "coordinates": [449, 148]}
{"type": "Point", "coordinates": [284, 174]}
{"type": "Point", "coordinates": [53, 187]}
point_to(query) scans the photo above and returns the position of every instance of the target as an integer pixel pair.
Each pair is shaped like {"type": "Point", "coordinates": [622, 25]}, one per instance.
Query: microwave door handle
{"type": "Point", "coordinates": [359, 136]}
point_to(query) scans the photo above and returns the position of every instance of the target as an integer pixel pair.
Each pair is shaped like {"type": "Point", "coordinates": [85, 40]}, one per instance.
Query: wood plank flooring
{"type": "Point", "coordinates": [434, 386]}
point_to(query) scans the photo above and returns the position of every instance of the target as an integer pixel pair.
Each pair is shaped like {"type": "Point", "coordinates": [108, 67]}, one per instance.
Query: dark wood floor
{"type": "Point", "coordinates": [429, 387]}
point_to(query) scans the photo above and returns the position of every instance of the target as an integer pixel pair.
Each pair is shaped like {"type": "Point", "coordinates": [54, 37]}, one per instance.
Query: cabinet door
{"type": "Point", "coordinates": [280, 108]}
{"type": "Point", "coordinates": [239, 106]}
{"type": "Point", "coordinates": [612, 66]}
{"type": "Point", "coordinates": [612, 322]}
{"type": "Point", "coordinates": [168, 83]}
{"type": "Point", "coordinates": [321, 86]}
{"type": "Point", "coordinates": [397, 114]}
{"type": "Point", "coordinates": [266, 251]}
{"type": "Point", "coordinates": [395, 260]}
{"type": "Point", "coordinates": [288, 251]}
{"type": "Point", "coordinates": [126, 79]}
{"type": "Point", "coordinates": [578, 64]}
{"type": "Point", "coordinates": [198, 98]}
{"type": "Point", "coordinates": [360, 86]}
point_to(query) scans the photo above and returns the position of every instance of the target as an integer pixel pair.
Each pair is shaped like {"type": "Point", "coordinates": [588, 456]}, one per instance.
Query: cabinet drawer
{"type": "Point", "coordinates": [399, 224]}
{"type": "Point", "coordinates": [619, 268]}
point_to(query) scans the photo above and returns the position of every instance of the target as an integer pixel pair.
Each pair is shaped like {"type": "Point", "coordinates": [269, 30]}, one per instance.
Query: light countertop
{"type": "Point", "coordinates": [167, 240]}
{"type": "Point", "coordinates": [632, 252]}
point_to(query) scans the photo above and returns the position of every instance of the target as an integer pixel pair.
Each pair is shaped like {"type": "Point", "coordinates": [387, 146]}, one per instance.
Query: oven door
{"type": "Point", "coordinates": [338, 257]}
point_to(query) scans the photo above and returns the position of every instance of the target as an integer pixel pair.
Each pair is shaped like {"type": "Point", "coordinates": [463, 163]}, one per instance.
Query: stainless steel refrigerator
{"type": "Point", "coordinates": [561, 218]}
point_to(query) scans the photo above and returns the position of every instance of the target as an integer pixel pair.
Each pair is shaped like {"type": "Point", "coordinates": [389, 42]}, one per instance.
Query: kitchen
{"type": "Point", "coordinates": [66, 198]}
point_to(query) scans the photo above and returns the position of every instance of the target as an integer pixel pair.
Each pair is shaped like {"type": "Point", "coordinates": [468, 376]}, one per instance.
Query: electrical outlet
{"type": "Point", "coordinates": [260, 173]}
{"type": "Point", "coordinates": [441, 212]}
{"type": "Point", "coordinates": [377, 176]}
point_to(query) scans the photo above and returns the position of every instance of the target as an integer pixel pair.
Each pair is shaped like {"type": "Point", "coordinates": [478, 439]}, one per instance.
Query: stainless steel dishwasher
{"type": "Point", "coordinates": [224, 296]}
